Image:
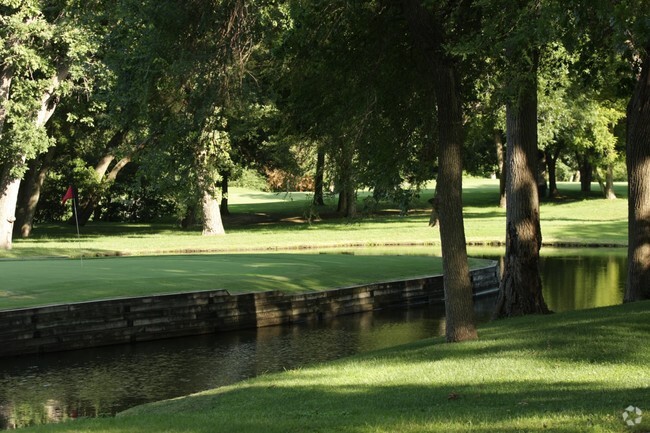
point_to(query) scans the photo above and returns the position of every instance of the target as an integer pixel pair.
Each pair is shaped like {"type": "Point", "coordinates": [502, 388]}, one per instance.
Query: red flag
{"type": "Point", "coordinates": [68, 195]}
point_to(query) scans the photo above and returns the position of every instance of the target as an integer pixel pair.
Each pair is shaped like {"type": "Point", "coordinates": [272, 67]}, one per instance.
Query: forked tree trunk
{"type": "Point", "coordinates": [427, 34]}
{"type": "Point", "coordinates": [520, 291]}
{"type": "Point", "coordinates": [638, 172]}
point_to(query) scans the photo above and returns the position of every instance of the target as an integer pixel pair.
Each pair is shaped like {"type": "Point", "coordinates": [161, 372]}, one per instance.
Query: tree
{"type": "Point", "coordinates": [638, 163]}
{"type": "Point", "coordinates": [615, 41]}
{"type": "Point", "coordinates": [349, 88]}
{"type": "Point", "coordinates": [520, 291]}
{"type": "Point", "coordinates": [429, 35]}
{"type": "Point", "coordinates": [46, 51]}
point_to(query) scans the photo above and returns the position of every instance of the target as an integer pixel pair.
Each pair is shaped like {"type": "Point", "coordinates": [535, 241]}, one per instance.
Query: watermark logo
{"type": "Point", "coordinates": [632, 415]}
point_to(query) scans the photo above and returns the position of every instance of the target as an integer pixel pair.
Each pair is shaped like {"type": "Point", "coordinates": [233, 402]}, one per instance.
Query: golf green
{"type": "Point", "coordinates": [53, 281]}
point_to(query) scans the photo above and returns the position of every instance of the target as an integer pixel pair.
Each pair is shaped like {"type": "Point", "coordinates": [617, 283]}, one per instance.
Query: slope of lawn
{"type": "Point", "coordinates": [48, 281]}
{"type": "Point", "coordinates": [568, 372]}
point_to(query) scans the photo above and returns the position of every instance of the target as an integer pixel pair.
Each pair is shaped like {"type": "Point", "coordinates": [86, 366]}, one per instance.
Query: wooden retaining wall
{"type": "Point", "coordinates": [99, 323]}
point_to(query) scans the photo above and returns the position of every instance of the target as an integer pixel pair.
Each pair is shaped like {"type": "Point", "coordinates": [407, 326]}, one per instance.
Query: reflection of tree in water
{"type": "Point", "coordinates": [579, 282]}
{"type": "Point", "coordinates": [14, 416]}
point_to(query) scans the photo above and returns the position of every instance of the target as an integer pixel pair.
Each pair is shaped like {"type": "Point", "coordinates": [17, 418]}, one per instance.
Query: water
{"type": "Point", "coordinates": [95, 382]}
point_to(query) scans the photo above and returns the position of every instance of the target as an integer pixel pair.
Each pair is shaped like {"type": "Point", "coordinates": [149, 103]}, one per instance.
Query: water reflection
{"type": "Point", "coordinates": [103, 381]}
{"type": "Point", "coordinates": [579, 282]}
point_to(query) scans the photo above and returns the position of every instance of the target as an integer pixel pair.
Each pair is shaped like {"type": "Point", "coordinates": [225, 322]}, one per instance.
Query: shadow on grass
{"type": "Point", "coordinates": [556, 384]}
{"type": "Point", "coordinates": [512, 406]}
{"type": "Point", "coordinates": [596, 231]}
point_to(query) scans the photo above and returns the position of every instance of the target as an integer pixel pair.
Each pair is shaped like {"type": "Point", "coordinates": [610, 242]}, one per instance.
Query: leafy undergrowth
{"type": "Point", "coordinates": [568, 372]}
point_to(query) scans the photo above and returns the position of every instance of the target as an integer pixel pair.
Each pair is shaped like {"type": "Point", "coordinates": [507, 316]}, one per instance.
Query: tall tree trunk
{"type": "Point", "coordinates": [502, 170]}
{"type": "Point", "coordinates": [551, 163]}
{"type": "Point", "coordinates": [586, 173]}
{"type": "Point", "coordinates": [32, 194]}
{"type": "Point", "coordinates": [224, 195]}
{"type": "Point", "coordinates": [347, 186]}
{"type": "Point", "coordinates": [459, 306]}
{"type": "Point", "coordinates": [520, 291]}
{"type": "Point", "coordinates": [318, 180]}
{"type": "Point", "coordinates": [427, 33]}
{"type": "Point", "coordinates": [638, 172]}
{"type": "Point", "coordinates": [212, 223]}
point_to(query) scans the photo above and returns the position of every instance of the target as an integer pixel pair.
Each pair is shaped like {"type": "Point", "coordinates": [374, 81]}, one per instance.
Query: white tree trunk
{"type": "Point", "coordinates": [9, 186]}
{"type": "Point", "coordinates": [212, 223]}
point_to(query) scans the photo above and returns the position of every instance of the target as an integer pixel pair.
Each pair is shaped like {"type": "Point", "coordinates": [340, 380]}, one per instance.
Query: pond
{"type": "Point", "coordinates": [103, 381]}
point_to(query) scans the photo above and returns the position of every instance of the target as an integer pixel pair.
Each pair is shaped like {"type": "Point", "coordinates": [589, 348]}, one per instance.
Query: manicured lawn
{"type": "Point", "coordinates": [270, 222]}
{"type": "Point", "coordinates": [51, 281]}
{"type": "Point", "coordinates": [568, 372]}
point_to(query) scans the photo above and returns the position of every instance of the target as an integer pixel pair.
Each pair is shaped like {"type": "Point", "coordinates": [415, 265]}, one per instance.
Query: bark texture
{"type": "Point", "coordinates": [586, 176]}
{"type": "Point", "coordinates": [9, 186]}
{"type": "Point", "coordinates": [607, 185]}
{"type": "Point", "coordinates": [551, 164]}
{"type": "Point", "coordinates": [638, 169]}
{"type": "Point", "coordinates": [428, 38]}
{"type": "Point", "coordinates": [318, 180]}
{"type": "Point", "coordinates": [347, 205]}
{"type": "Point", "coordinates": [212, 223]}
{"type": "Point", "coordinates": [28, 199]}
{"type": "Point", "coordinates": [501, 164]}
{"type": "Point", "coordinates": [520, 291]}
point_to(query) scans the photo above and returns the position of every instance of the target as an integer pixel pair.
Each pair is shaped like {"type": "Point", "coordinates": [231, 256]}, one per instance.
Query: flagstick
{"type": "Point", "coordinates": [76, 220]}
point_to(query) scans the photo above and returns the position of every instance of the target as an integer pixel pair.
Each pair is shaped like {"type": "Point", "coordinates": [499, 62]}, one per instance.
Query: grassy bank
{"type": "Point", "coordinates": [568, 372]}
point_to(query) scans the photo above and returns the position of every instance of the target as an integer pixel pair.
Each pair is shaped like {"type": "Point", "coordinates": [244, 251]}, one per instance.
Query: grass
{"type": "Point", "coordinates": [568, 372]}
{"type": "Point", "coordinates": [266, 222]}
{"type": "Point", "coordinates": [271, 222]}
{"type": "Point", "coordinates": [40, 282]}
